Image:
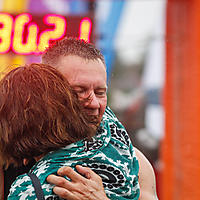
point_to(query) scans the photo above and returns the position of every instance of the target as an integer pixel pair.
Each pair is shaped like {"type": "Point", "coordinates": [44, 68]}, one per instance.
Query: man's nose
{"type": "Point", "coordinates": [92, 102]}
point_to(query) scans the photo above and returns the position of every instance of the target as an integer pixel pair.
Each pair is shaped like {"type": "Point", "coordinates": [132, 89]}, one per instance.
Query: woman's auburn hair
{"type": "Point", "coordinates": [39, 113]}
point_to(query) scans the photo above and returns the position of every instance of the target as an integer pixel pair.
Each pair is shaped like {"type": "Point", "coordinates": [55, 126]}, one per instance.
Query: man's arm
{"type": "Point", "coordinates": [146, 178]}
{"type": "Point", "coordinates": [1, 184]}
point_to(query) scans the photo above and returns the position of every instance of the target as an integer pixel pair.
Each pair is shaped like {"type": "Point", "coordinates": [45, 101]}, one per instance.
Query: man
{"type": "Point", "coordinates": [84, 67]}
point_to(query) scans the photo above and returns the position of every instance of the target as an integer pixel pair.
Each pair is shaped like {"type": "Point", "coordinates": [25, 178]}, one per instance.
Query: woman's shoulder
{"type": "Point", "coordinates": [21, 188]}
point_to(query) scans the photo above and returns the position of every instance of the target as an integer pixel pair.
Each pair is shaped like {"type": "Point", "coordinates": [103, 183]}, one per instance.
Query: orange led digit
{"type": "Point", "coordinates": [31, 41]}
{"type": "Point", "coordinates": [58, 32]}
{"type": "Point", "coordinates": [6, 21]}
{"type": "Point", "coordinates": [85, 29]}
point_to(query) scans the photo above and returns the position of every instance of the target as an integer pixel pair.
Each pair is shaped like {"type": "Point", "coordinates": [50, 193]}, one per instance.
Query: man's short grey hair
{"type": "Point", "coordinates": [71, 46]}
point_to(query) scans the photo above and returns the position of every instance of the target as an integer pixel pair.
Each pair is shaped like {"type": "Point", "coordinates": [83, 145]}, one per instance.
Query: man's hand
{"type": "Point", "coordinates": [79, 188]}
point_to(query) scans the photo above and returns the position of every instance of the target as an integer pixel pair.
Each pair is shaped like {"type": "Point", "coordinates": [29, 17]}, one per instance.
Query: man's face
{"type": "Point", "coordinates": [88, 79]}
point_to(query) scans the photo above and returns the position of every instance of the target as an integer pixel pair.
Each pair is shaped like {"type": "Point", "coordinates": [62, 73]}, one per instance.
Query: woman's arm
{"type": "Point", "coordinates": [79, 188]}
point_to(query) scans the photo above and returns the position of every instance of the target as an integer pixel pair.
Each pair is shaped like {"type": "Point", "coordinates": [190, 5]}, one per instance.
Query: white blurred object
{"type": "Point", "coordinates": [154, 120]}
{"type": "Point", "coordinates": [102, 10]}
{"type": "Point", "coordinates": [141, 38]}
{"type": "Point", "coordinates": [121, 100]}
{"type": "Point", "coordinates": [154, 69]}
{"type": "Point", "coordinates": [59, 7]}
{"type": "Point", "coordinates": [136, 28]}
{"type": "Point", "coordinates": [146, 139]}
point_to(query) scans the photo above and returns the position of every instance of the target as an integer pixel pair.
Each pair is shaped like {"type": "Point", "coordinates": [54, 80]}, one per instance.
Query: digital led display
{"type": "Point", "coordinates": [28, 34]}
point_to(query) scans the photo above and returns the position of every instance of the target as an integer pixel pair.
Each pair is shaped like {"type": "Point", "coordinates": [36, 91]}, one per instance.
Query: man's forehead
{"type": "Point", "coordinates": [80, 72]}
{"type": "Point", "coordinates": [74, 57]}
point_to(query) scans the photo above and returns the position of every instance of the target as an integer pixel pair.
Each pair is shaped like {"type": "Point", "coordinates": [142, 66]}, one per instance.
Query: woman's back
{"type": "Point", "coordinates": [109, 154]}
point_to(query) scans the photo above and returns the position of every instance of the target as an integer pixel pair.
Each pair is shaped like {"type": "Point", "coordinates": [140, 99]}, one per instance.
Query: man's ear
{"type": "Point", "coordinates": [25, 161]}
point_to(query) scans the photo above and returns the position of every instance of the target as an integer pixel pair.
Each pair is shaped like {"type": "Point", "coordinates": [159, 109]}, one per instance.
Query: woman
{"type": "Point", "coordinates": [41, 118]}
{"type": "Point", "coordinates": [39, 113]}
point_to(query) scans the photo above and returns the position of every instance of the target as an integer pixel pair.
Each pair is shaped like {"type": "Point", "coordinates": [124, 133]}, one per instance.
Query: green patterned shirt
{"type": "Point", "coordinates": [110, 154]}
